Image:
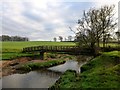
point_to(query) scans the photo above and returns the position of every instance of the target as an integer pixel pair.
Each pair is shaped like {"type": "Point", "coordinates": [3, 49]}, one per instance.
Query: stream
{"type": "Point", "coordinates": [41, 78]}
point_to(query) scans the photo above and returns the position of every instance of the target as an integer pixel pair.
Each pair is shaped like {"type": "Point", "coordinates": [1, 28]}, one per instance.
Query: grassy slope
{"type": "Point", "coordinates": [12, 50]}
{"type": "Point", "coordinates": [101, 72]}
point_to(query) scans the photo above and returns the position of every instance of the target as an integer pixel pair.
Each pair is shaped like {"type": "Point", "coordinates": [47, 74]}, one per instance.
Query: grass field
{"type": "Point", "coordinates": [17, 46]}
{"type": "Point", "coordinates": [11, 50]}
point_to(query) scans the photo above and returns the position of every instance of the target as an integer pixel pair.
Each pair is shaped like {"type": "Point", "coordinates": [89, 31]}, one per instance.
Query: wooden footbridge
{"type": "Point", "coordinates": [42, 49]}
{"type": "Point", "coordinates": [68, 49]}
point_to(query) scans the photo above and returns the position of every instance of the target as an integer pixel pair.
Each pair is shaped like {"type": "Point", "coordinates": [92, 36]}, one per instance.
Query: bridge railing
{"type": "Point", "coordinates": [50, 48]}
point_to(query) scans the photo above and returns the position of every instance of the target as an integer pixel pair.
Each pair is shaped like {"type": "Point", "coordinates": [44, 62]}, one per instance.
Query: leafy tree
{"type": "Point", "coordinates": [5, 38]}
{"type": "Point", "coordinates": [13, 38]}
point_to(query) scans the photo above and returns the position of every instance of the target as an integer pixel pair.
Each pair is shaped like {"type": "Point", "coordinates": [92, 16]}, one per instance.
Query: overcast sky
{"type": "Point", "coordinates": [44, 19]}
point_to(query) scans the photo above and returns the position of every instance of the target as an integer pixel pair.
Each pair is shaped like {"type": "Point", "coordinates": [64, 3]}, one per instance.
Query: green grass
{"type": "Point", "coordinates": [113, 53]}
{"type": "Point", "coordinates": [34, 66]}
{"type": "Point", "coordinates": [110, 44]}
{"type": "Point", "coordinates": [11, 50]}
{"type": "Point", "coordinates": [67, 80]}
{"type": "Point", "coordinates": [17, 46]}
{"type": "Point", "coordinates": [101, 72]}
{"type": "Point", "coordinates": [13, 55]}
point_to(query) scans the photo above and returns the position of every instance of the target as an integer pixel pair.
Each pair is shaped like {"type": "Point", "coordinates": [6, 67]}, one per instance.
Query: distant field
{"type": "Point", "coordinates": [110, 44]}
{"type": "Point", "coordinates": [17, 46]}
{"type": "Point", "coordinates": [12, 50]}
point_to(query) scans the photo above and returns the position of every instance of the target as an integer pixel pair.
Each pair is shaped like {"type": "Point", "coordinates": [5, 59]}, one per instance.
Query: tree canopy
{"type": "Point", "coordinates": [13, 38]}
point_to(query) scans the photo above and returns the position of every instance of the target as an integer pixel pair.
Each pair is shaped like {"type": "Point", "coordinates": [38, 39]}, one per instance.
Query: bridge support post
{"type": "Point", "coordinates": [42, 55]}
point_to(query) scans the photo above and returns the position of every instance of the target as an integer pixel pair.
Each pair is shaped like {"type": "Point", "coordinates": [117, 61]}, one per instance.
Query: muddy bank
{"type": "Point", "coordinates": [10, 66]}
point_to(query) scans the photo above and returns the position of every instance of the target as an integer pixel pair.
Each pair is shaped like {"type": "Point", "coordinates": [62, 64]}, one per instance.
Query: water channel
{"type": "Point", "coordinates": [41, 78]}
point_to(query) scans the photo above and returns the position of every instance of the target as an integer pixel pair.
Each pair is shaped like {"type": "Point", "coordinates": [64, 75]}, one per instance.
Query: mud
{"type": "Point", "coordinates": [9, 67]}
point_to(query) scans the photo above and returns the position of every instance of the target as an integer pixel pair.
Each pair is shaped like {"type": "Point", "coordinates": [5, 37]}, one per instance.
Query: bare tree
{"type": "Point", "coordinates": [106, 20]}
{"type": "Point", "coordinates": [107, 38]}
{"type": "Point", "coordinates": [69, 38]}
{"type": "Point", "coordinates": [95, 24]}
{"type": "Point", "coordinates": [60, 38]}
{"type": "Point", "coordinates": [55, 39]}
{"type": "Point", "coordinates": [118, 36]}
{"type": "Point", "coordinates": [65, 39]}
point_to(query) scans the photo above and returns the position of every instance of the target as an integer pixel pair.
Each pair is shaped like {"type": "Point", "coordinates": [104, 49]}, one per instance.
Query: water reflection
{"type": "Point", "coordinates": [82, 60]}
{"type": "Point", "coordinates": [34, 79]}
{"type": "Point", "coordinates": [49, 73]}
{"type": "Point", "coordinates": [71, 64]}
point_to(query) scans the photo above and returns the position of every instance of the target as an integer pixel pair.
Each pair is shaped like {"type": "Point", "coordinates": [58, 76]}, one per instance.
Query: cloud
{"type": "Point", "coordinates": [42, 20]}
{"type": "Point", "coordinates": [32, 16]}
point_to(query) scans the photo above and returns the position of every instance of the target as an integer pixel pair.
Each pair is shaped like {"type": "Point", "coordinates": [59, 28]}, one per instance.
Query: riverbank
{"type": "Point", "coordinates": [14, 66]}
{"type": "Point", "coordinates": [100, 72]}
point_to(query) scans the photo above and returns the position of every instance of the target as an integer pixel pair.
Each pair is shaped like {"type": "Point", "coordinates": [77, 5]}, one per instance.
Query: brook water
{"type": "Point", "coordinates": [42, 78]}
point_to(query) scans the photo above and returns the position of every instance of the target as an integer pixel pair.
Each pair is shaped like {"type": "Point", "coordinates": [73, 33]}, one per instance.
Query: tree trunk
{"type": "Point", "coordinates": [98, 42]}
{"type": "Point", "coordinates": [93, 48]}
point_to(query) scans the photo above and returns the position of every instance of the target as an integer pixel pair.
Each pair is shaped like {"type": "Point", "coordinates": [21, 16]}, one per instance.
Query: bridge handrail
{"type": "Point", "coordinates": [49, 48]}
